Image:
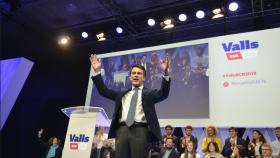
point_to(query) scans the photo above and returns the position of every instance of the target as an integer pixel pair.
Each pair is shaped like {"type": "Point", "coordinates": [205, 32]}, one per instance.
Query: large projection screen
{"type": "Point", "coordinates": [229, 80]}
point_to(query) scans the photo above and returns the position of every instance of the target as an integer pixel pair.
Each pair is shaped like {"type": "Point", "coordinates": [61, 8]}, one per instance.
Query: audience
{"type": "Point", "coordinates": [190, 151]}
{"type": "Point", "coordinates": [52, 147]}
{"type": "Point", "coordinates": [231, 142]}
{"type": "Point", "coordinates": [211, 136]}
{"type": "Point", "coordinates": [213, 151]}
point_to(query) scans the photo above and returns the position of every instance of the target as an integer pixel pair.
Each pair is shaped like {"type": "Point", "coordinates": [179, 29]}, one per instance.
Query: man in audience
{"type": "Point", "coordinates": [231, 141]}
{"type": "Point", "coordinates": [169, 151]}
{"type": "Point", "coordinates": [169, 134]}
{"type": "Point", "coordinates": [187, 138]}
{"type": "Point", "coordinates": [275, 145]}
{"type": "Point", "coordinates": [266, 151]}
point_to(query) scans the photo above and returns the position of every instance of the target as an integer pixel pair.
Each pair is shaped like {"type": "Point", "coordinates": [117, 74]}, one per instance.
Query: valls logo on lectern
{"type": "Point", "coordinates": [78, 142]}
{"type": "Point", "coordinates": [245, 49]}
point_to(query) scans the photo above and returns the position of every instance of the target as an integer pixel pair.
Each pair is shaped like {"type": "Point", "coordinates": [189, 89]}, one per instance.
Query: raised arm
{"type": "Point", "coordinates": [98, 81]}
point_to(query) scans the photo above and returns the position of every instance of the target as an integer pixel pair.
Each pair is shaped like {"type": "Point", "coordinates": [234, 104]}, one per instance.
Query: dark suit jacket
{"type": "Point", "coordinates": [149, 98]}
{"type": "Point", "coordinates": [227, 151]}
{"type": "Point", "coordinates": [193, 139]}
{"type": "Point", "coordinates": [174, 153]}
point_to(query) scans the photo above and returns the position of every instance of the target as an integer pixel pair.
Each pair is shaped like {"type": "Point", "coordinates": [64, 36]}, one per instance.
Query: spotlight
{"type": "Point", "coordinates": [100, 36]}
{"type": "Point", "coordinates": [119, 30]}
{"type": "Point", "coordinates": [151, 22]}
{"type": "Point", "coordinates": [84, 34]}
{"type": "Point", "coordinates": [182, 17]}
{"type": "Point", "coordinates": [217, 13]}
{"type": "Point", "coordinates": [64, 40]}
{"type": "Point", "coordinates": [200, 14]}
{"type": "Point", "coordinates": [233, 6]}
{"type": "Point", "coordinates": [167, 23]}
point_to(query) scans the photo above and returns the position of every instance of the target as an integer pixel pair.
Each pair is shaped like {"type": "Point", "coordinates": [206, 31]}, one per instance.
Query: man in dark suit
{"type": "Point", "coordinates": [134, 121]}
{"type": "Point", "coordinates": [232, 141]}
{"type": "Point", "coordinates": [169, 151]}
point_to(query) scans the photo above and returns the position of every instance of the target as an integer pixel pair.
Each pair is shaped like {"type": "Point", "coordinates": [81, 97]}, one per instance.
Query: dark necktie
{"type": "Point", "coordinates": [132, 108]}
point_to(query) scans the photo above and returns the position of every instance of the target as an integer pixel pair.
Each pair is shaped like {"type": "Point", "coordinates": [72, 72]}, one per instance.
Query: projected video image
{"type": "Point", "coordinates": [189, 93]}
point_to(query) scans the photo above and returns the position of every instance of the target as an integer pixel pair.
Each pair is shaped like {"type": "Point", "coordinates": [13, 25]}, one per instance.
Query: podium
{"type": "Point", "coordinates": [81, 129]}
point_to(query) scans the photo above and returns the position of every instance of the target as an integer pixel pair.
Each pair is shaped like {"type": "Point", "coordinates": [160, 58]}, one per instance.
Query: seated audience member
{"type": "Point", "coordinates": [213, 151]}
{"type": "Point", "coordinates": [52, 147]}
{"type": "Point", "coordinates": [107, 150]}
{"type": "Point", "coordinates": [254, 147]}
{"type": "Point", "coordinates": [169, 134]}
{"type": "Point", "coordinates": [238, 151]}
{"type": "Point", "coordinates": [188, 137]}
{"type": "Point", "coordinates": [266, 151]}
{"type": "Point", "coordinates": [169, 150]}
{"type": "Point", "coordinates": [275, 145]}
{"type": "Point", "coordinates": [190, 151]}
{"type": "Point", "coordinates": [231, 142]}
{"type": "Point", "coordinates": [211, 136]}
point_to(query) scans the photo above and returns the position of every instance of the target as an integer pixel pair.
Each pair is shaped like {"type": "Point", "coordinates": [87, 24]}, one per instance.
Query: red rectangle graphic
{"type": "Point", "coordinates": [74, 146]}
{"type": "Point", "coordinates": [234, 56]}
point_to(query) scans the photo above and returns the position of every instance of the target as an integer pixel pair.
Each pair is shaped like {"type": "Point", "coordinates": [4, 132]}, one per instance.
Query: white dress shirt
{"type": "Point", "coordinates": [126, 99]}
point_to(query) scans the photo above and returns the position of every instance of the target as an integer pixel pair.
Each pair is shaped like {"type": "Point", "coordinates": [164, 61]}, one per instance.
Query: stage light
{"type": "Point", "coordinates": [151, 22]}
{"type": "Point", "coordinates": [119, 30]}
{"type": "Point", "coordinates": [167, 23]}
{"type": "Point", "coordinates": [200, 14]}
{"type": "Point", "coordinates": [217, 13]}
{"type": "Point", "coordinates": [100, 36]}
{"type": "Point", "coordinates": [84, 34]}
{"type": "Point", "coordinates": [64, 40]}
{"type": "Point", "coordinates": [233, 6]}
{"type": "Point", "coordinates": [182, 17]}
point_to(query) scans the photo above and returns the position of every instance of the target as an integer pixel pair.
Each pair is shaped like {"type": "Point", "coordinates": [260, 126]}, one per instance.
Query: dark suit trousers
{"type": "Point", "coordinates": [132, 142]}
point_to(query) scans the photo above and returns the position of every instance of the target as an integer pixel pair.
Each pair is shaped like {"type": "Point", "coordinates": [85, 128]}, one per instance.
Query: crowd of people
{"type": "Point", "coordinates": [185, 147]}
{"type": "Point", "coordinates": [182, 67]}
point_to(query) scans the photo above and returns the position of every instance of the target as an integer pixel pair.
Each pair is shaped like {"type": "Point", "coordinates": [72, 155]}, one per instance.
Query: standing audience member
{"type": "Point", "coordinates": [275, 145]}
{"type": "Point", "coordinates": [231, 142]}
{"type": "Point", "coordinates": [188, 137]}
{"type": "Point", "coordinates": [211, 136]}
{"type": "Point", "coordinates": [190, 151]}
{"type": "Point", "coordinates": [213, 151]}
{"type": "Point", "coordinates": [52, 147]}
{"type": "Point", "coordinates": [254, 147]}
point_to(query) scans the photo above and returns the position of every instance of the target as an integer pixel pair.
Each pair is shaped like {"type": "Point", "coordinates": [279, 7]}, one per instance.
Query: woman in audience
{"type": "Point", "coordinates": [213, 151]}
{"type": "Point", "coordinates": [254, 147]}
{"type": "Point", "coordinates": [211, 136]}
{"type": "Point", "coordinates": [52, 148]}
{"type": "Point", "coordinates": [238, 152]}
{"type": "Point", "coordinates": [190, 151]}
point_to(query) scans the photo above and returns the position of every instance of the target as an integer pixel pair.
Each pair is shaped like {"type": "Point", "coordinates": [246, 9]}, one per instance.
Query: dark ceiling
{"type": "Point", "coordinates": [49, 19]}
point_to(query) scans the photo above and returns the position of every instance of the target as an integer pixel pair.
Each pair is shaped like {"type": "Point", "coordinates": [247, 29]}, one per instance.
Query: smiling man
{"type": "Point", "coordinates": [134, 121]}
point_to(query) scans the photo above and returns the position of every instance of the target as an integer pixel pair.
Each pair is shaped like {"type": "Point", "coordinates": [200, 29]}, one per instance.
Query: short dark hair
{"type": "Point", "coordinates": [188, 127]}
{"type": "Point", "coordinates": [168, 126]}
{"type": "Point", "coordinates": [170, 138]}
{"type": "Point", "coordinates": [138, 66]}
{"type": "Point", "coordinates": [232, 128]}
